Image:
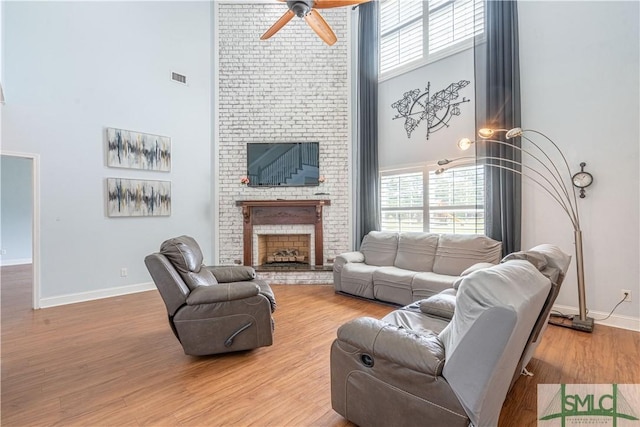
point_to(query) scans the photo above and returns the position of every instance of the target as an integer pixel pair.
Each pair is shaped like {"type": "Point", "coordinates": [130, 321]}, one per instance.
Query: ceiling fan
{"type": "Point", "coordinates": [307, 9]}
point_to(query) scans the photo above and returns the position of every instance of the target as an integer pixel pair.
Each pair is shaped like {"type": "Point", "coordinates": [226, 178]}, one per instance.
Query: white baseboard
{"type": "Point", "coordinates": [93, 295]}
{"type": "Point", "coordinates": [616, 321]}
{"type": "Point", "coordinates": [21, 261]}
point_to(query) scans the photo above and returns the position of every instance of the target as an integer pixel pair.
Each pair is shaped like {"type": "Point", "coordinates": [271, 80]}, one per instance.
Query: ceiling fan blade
{"type": "Point", "coordinates": [320, 26]}
{"type": "Point", "coordinates": [326, 4]}
{"type": "Point", "coordinates": [278, 25]}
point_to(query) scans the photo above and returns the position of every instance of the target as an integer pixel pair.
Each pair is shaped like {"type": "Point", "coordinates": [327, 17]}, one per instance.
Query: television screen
{"type": "Point", "coordinates": [282, 164]}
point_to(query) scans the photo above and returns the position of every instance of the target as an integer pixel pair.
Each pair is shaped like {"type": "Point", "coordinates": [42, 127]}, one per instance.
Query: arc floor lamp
{"type": "Point", "coordinates": [555, 180]}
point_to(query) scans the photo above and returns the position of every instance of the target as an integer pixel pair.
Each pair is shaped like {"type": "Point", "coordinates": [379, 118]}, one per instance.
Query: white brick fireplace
{"type": "Point", "coordinates": [290, 88]}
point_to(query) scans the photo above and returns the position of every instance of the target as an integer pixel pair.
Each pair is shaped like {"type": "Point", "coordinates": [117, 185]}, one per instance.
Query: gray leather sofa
{"type": "Point", "coordinates": [406, 267]}
{"type": "Point", "coordinates": [211, 309]}
{"type": "Point", "coordinates": [413, 368]}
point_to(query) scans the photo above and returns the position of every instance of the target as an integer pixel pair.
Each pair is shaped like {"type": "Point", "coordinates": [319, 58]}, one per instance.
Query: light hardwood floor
{"type": "Point", "coordinates": [115, 362]}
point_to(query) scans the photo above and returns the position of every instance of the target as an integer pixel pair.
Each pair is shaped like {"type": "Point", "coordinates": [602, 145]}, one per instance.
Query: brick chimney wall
{"type": "Point", "coordinates": [290, 88]}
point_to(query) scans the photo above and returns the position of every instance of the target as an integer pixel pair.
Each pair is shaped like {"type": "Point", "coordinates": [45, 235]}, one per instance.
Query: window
{"type": "Point", "coordinates": [452, 202]}
{"type": "Point", "coordinates": [456, 201]}
{"type": "Point", "coordinates": [401, 37]}
{"type": "Point", "coordinates": [402, 202]}
{"type": "Point", "coordinates": [413, 30]}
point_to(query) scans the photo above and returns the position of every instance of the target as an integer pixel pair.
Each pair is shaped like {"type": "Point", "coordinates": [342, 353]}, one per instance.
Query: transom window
{"type": "Point", "coordinates": [416, 32]}
{"type": "Point", "coordinates": [421, 200]}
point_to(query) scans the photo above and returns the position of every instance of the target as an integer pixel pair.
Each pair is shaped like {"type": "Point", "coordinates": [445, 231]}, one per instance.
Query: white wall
{"type": "Point", "coordinates": [70, 70]}
{"type": "Point", "coordinates": [580, 73]}
{"type": "Point", "coordinates": [396, 150]}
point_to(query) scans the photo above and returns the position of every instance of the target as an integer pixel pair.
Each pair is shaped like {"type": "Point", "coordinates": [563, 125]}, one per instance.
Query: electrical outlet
{"type": "Point", "coordinates": [3, 252]}
{"type": "Point", "coordinates": [123, 272]}
{"type": "Point", "coordinates": [625, 291]}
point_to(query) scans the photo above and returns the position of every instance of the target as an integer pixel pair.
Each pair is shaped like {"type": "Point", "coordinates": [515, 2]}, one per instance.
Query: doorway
{"type": "Point", "coordinates": [20, 217]}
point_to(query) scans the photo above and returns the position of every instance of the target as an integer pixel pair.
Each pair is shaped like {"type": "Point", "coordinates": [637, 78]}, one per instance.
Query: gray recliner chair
{"type": "Point", "coordinates": [211, 309]}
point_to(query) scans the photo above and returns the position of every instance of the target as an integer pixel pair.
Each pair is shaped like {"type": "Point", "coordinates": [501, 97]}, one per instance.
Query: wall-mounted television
{"type": "Point", "coordinates": [283, 164]}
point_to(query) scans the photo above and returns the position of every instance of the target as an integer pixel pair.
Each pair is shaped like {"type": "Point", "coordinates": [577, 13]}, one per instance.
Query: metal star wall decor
{"type": "Point", "coordinates": [437, 110]}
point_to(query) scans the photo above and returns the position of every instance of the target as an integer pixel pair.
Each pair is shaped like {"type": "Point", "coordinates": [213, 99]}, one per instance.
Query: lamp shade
{"type": "Point", "coordinates": [486, 133]}
{"type": "Point", "coordinates": [464, 144]}
{"type": "Point", "coordinates": [514, 133]}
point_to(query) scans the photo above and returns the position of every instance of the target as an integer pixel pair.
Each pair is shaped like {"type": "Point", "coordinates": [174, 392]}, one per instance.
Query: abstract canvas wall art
{"type": "Point", "coordinates": [133, 197]}
{"type": "Point", "coordinates": [137, 150]}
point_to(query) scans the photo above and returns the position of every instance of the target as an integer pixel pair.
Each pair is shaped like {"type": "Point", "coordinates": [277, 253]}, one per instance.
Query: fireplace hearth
{"type": "Point", "coordinates": [293, 267]}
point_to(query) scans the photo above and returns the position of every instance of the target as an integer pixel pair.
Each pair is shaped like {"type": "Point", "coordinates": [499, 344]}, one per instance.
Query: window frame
{"type": "Point", "coordinates": [427, 58]}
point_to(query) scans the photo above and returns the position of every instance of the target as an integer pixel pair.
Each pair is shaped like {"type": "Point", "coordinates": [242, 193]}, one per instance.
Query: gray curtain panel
{"type": "Point", "coordinates": [367, 211]}
{"type": "Point", "coordinates": [498, 106]}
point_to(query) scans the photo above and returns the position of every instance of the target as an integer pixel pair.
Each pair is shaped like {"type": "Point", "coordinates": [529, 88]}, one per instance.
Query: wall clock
{"type": "Point", "coordinates": [582, 179]}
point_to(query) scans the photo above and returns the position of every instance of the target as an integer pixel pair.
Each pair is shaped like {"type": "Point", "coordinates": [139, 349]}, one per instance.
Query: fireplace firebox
{"type": "Point", "coordinates": [283, 249]}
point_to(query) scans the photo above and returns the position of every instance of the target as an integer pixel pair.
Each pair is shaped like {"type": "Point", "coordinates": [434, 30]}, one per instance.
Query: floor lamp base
{"type": "Point", "coordinates": [574, 323]}
{"type": "Point", "coordinates": [582, 325]}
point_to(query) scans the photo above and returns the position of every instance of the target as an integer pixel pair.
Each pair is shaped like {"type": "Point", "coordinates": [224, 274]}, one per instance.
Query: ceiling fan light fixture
{"type": "Point", "coordinates": [307, 9]}
{"type": "Point", "coordinates": [300, 8]}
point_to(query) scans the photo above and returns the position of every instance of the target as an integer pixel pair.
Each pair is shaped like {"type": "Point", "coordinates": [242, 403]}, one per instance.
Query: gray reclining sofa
{"type": "Point", "coordinates": [404, 267]}
{"type": "Point", "coordinates": [413, 368]}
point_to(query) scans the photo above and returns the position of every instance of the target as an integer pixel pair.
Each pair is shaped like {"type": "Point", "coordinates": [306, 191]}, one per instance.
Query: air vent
{"type": "Point", "coordinates": [178, 78]}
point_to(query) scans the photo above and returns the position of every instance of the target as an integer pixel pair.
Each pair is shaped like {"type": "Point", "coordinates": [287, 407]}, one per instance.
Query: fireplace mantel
{"type": "Point", "coordinates": [271, 212]}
